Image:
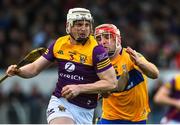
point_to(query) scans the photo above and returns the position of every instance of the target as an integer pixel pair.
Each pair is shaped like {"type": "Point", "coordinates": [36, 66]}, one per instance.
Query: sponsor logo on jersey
{"type": "Point", "coordinates": [102, 56]}
{"type": "Point", "coordinates": [73, 77]}
{"type": "Point", "coordinates": [69, 67]}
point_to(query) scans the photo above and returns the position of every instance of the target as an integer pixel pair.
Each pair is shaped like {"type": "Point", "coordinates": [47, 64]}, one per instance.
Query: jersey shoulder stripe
{"type": "Point", "coordinates": [103, 64]}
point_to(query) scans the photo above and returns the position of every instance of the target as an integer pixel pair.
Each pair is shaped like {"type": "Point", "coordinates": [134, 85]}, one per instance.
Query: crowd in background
{"type": "Point", "coordinates": [151, 27]}
{"type": "Point", "coordinates": [18, 107]}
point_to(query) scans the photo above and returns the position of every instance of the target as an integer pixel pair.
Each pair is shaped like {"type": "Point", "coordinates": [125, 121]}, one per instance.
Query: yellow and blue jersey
{"type": "Point", "coordinates": [78, 64]}
{"type": "Point", "coordinates": [132, 103]}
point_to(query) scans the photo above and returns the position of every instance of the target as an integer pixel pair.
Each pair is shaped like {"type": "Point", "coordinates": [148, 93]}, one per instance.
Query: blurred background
{"type": "Point", "coordinates": [151, 27]}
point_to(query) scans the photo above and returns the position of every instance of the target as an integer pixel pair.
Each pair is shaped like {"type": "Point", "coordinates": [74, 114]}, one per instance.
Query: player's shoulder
{"type": "Point", "coordinates": [92, 44]}
{"type": "Point", "coordinates": [124, 53]}
{"type": "Point", "coordinates": [92, 41]}
{"type": "Point", "coordinates": [126, 57]}
{"type": "Point", "coordinates": [99, 49]}
{"type": "Point", "coordinates": [177, 78]}
{"type": "Point", "coordinates": [63, 38]}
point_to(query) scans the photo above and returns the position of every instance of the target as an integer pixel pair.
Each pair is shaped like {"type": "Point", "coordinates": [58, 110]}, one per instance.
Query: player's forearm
{"type": "Point", "coordinates": [98, 87]}
{"type": "Point", "coordinates": [34, 68]}
{"type": "Point", "coordinates": [28, 71]}
{"type": "Point", "coordinates": [166, 100]}
{"type": "Point", "coordinates": [121, 84]}
{"type": "Point", "coordinates": [148, 69]}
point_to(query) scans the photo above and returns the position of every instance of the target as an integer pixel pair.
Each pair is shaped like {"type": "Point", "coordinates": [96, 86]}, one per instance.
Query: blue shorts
{"type": "Point", "coordinates": [105, 121]}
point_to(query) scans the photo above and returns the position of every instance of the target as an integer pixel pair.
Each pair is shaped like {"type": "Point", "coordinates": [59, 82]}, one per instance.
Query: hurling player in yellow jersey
{"type": "Point", "coordinates": [84, 69]}
{"type": "Point", "coordinates": [131, 104]}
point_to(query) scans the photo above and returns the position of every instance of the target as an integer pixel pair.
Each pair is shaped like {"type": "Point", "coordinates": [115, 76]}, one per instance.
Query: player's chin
{"type": "Point", "coordinates": [83, 35]}
{"type": "Point", "coordinates": [106, 49]}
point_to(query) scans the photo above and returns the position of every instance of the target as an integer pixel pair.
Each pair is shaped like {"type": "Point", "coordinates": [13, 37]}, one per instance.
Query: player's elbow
{"type": "Point", "coordinates": [154, 74]}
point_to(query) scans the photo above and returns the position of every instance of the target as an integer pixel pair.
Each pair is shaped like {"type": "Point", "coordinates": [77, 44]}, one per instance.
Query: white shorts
{"type": "Point", "coordinates": [164, 120]}
{"type": "Point", "coordinates": [60, 107]}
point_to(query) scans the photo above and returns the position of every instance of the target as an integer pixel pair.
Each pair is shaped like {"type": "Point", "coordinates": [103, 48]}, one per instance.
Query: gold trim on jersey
{"type": "Point", "coordinates": [103, 64]}
{"type": "Point", "coordinates": [46, 52]}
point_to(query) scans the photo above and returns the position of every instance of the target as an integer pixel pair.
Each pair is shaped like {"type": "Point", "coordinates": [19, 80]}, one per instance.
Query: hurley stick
{"type": "Point", "coordinates": [29, 58]}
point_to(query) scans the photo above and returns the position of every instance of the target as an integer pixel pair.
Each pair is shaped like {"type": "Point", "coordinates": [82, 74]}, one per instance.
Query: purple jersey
{"type": "Point", "coordinates": [174, 85]}
{"type": "Point", "coordinates": [78, 64]}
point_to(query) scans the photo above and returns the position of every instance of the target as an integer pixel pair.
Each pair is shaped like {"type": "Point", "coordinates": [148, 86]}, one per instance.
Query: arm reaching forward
{"type": "Point", "coordinates": [108, 82]}
{"type": "Point", "coordinates": [29, 70]}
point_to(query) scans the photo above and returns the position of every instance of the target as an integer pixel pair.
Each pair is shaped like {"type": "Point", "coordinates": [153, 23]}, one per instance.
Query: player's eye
{"type": "Point", "coordinates": [98, 38]}
{"type": "Point", "coordinates": [107, 36]}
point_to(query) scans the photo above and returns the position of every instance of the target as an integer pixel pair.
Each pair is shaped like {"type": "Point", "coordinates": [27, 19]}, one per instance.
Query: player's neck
{"type": "Point", "coordinates": [73, 42]}
{"type": "Point", "coordinates": [116, 53]}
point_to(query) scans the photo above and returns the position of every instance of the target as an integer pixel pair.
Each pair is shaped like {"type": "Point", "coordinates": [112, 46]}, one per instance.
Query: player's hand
{"type": "Point", "coordinates": [12, 70]}
{"type": "Point", "coordinates": [135, 57]}
{"type": "Point", "coordinates": [123, 81]}
{"type": "Point", "coordinates": [70, 91]}
{"type": "Point", "coordinates": [125, 73]}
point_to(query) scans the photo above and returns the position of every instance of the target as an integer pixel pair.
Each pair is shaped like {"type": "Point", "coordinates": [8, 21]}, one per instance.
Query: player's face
{"type": "Point", "coordinates": [107, 41]}
{"type": "Point", "coordinates": [81, 29]}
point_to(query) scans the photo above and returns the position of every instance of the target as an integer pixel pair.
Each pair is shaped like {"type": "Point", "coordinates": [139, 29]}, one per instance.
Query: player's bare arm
{"type": "Point", "coordinates": [163, 97]}
{"type": "Point", "coordinates": [108, 82]}
{"type": "Point", "coordinates": [146, 67]}
{"type": "Point", "coordinates": [122, 82]}
{"type": "Point", "coordinates": [28, 70]}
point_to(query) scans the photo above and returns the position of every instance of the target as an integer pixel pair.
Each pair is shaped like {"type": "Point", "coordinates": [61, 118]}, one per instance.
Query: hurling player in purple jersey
{"type": "Point", "coordinates": [84, 70]}
{"type": "Point", "coordinates": [169, 95]}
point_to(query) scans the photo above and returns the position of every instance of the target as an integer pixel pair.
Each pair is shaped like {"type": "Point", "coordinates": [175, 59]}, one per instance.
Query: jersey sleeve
{"type": "Point", "coordinates": [101, 60]}
{"type": "Point", "coordinates": [170, 84]}
{"type": "Point", "coordinates": [49, 53]}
